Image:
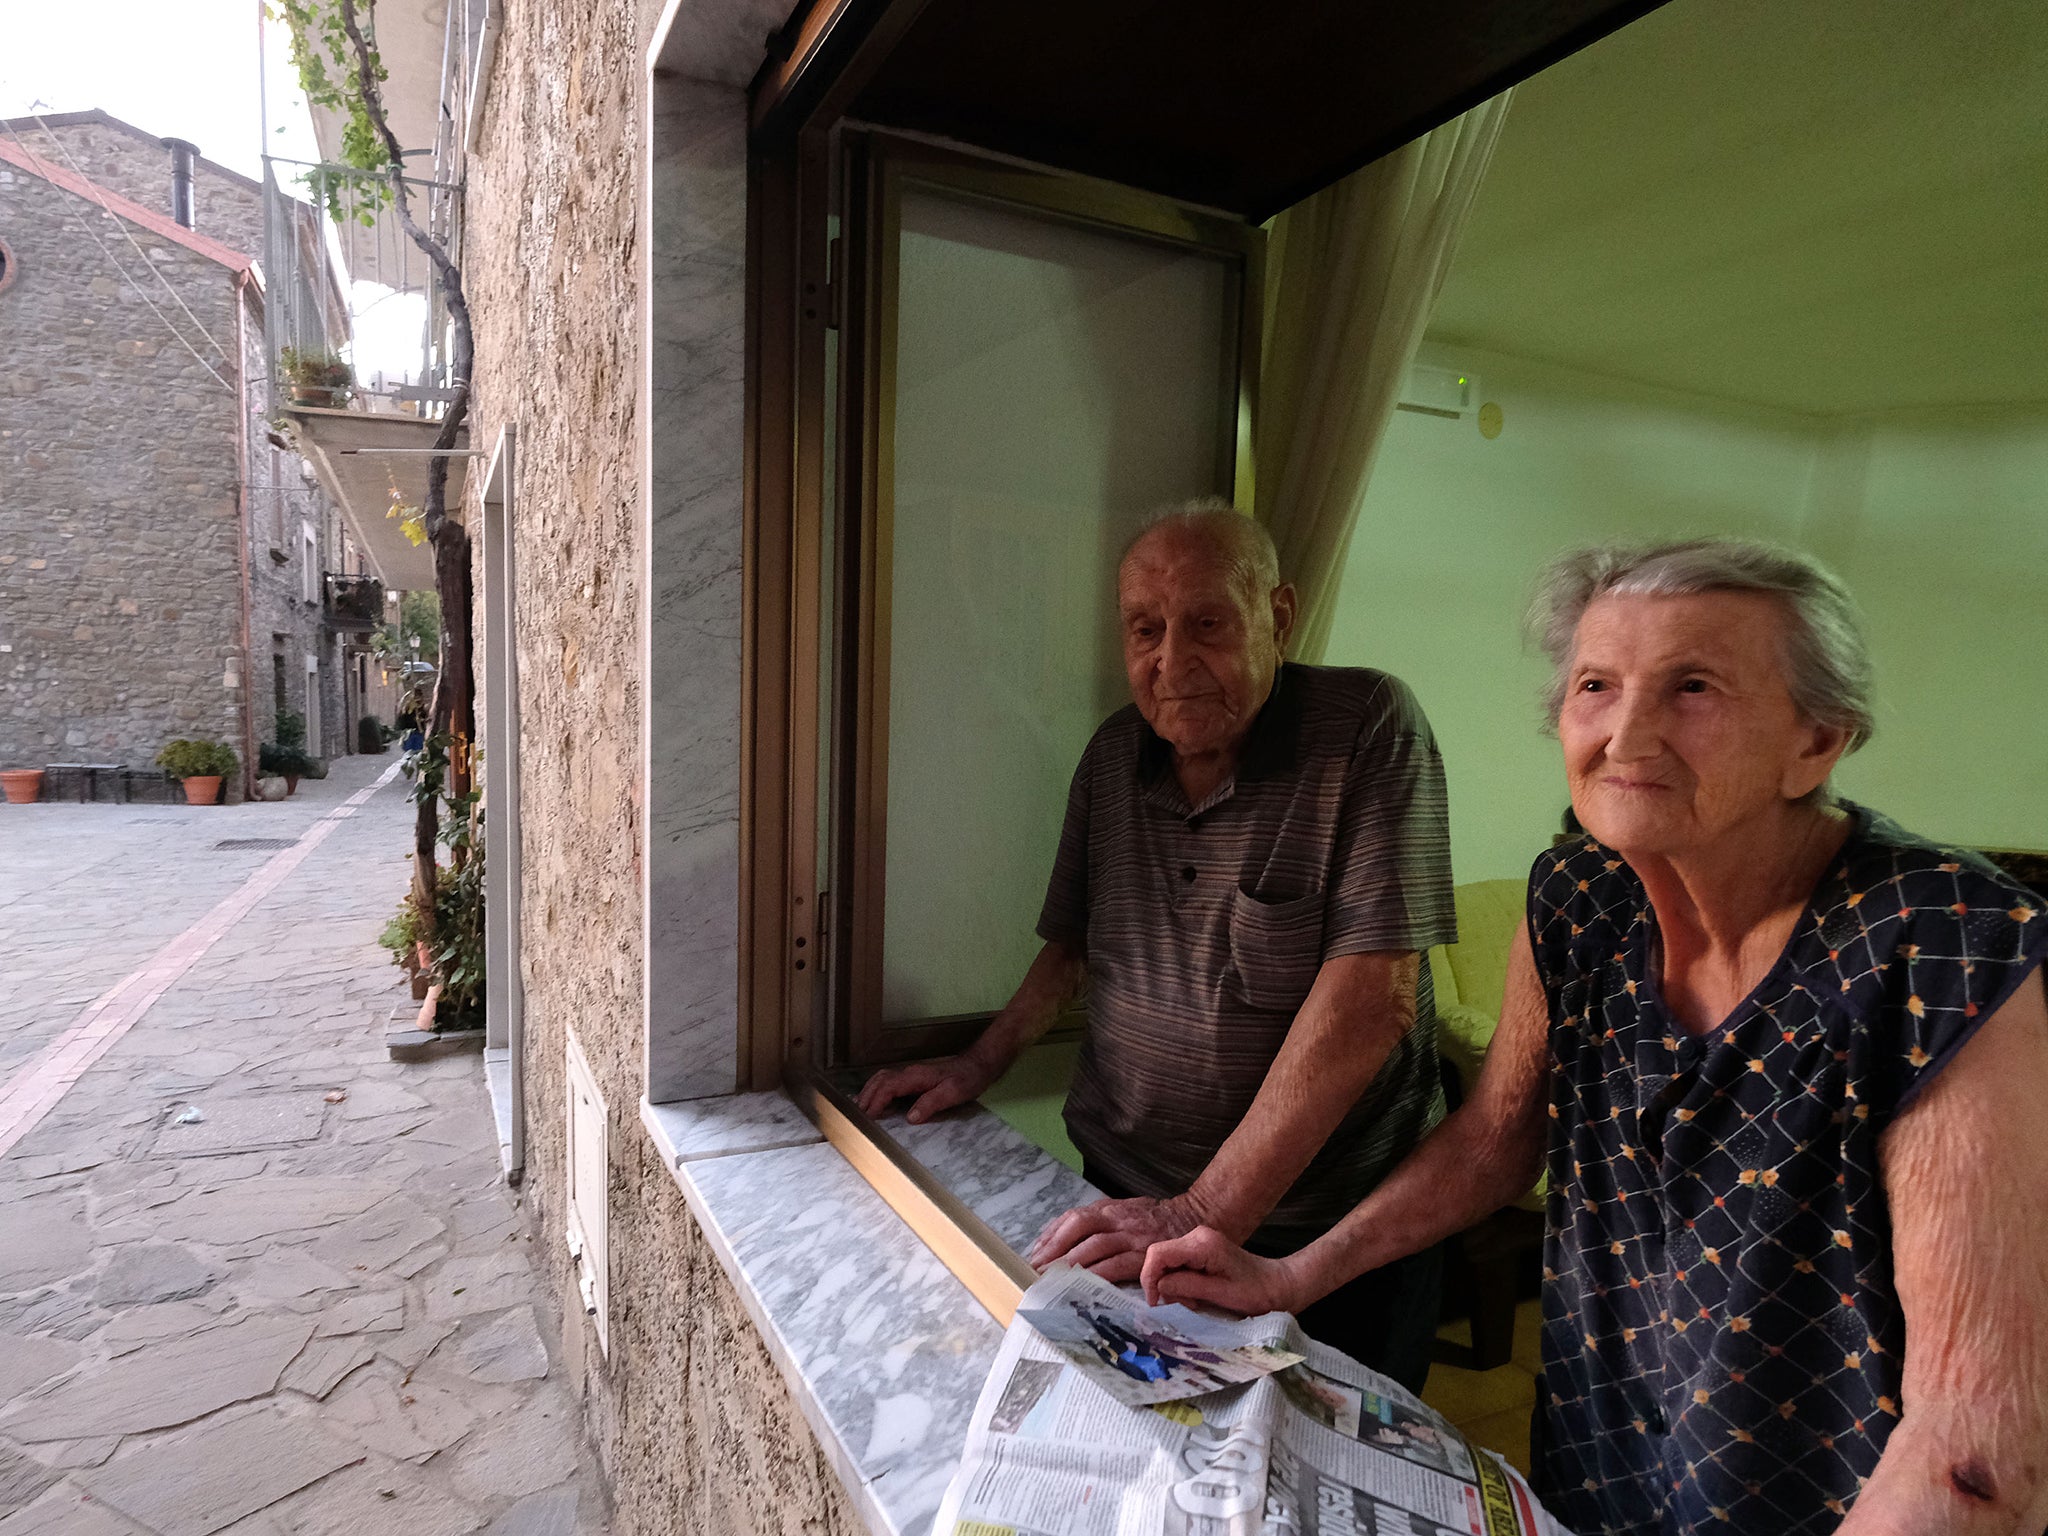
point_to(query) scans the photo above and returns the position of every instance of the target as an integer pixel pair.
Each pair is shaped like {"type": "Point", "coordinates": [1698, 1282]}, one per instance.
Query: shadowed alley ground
{"type": "Point", "coordinates": [312, 1309]}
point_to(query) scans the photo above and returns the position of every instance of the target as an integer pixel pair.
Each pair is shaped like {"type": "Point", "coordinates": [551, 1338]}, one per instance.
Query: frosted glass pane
{"type": "Point", "coordinates": [1053, 384]}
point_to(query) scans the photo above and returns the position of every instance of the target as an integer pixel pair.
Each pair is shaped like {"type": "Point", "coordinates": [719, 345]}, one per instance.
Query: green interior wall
{"type": "Point", "coordinates": [1935, 523]}
{"type": "Point", "coordinates": [1033, 1092]}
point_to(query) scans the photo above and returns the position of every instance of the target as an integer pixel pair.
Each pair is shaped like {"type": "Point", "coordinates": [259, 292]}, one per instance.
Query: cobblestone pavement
{"type": "Point", "coordinates": [310, 1309]}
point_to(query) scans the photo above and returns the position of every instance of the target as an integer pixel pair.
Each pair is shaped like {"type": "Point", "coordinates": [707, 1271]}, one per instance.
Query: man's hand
{"type": "Point", "coordinates": [935, 1085]}
{"type": "Point", "coordinates": [1110, 1237]}
{"type": "Point", "coordinates": [1207, 1266]}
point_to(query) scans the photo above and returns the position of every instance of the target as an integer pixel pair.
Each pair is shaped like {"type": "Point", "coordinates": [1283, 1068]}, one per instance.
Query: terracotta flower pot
{"type": "Point", "coordinates": [24, 785]}
{"type": "Point", "coordinates": [202, 789]}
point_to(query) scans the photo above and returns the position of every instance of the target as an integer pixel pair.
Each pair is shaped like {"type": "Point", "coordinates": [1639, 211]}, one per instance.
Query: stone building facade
{"type": "Point", "coordinates": [134, 163]}
{"type": "Point", "coordinates": [163, 566]}
{"type": "Point", "coordinates": [693, 1421]}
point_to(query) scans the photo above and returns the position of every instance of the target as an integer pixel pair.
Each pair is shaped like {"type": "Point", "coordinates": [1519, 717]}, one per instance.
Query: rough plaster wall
{"type": "Point", "coordinates": [689, 1415]}
{"type": "Point", "coordinates": [718, 1446]}
{"type": "Point", "coordinates": [224, 206]}
{"type": "Point", "coordinates": [120, 583]}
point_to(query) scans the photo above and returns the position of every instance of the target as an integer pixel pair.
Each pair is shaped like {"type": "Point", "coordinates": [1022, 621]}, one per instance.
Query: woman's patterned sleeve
{"type": "Point", "coordinates": [1969, 939]}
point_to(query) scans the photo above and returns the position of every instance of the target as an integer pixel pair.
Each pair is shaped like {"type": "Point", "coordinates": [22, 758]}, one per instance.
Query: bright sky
{"type": "Point", "coordinates": [186, 69]}
{"type": "Point", "coordinates": [180, 68]}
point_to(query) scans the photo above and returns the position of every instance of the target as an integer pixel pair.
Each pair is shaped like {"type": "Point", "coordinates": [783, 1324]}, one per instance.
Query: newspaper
{"type": "Point", "coordinates": [1072, 1437]}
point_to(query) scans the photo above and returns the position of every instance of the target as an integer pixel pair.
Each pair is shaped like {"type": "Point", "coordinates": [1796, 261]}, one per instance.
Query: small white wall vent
{"type": "Point", "coordinates": [589, 1141]}
{"type": "Point", "coordinates": [1438, 391]}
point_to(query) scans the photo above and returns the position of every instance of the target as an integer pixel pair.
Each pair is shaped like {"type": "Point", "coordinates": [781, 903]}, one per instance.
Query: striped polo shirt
{"type": "Point", "coordinates": [1204, 927]}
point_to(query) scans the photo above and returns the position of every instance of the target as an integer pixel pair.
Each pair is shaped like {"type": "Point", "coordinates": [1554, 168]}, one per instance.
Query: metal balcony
{"type": "Point", "coordinates": [355, 604]}
{"type": "Point", "coordinates": [338, 268]}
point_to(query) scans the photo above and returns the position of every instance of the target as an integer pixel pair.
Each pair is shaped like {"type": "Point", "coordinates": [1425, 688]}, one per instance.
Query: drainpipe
{"type": "Point", "coordinates": [243, 530]}
{"type": "Point", "coordinates": [480, 73]}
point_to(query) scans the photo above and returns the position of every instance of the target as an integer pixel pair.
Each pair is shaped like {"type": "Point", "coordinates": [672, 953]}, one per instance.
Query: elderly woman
{"type": "Point", "coordinates": [1790, 1063]}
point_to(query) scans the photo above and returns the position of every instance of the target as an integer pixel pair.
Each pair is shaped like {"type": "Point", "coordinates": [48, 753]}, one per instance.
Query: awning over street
{"type": "Point", "coordinates": [361, 457]}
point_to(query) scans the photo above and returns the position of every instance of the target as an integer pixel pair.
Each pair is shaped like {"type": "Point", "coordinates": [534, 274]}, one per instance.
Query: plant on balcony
{"type": "Point", "coordinates": [202, 765]}
{"type": "Point", "coordinates": [355, 602]}
{"type": "Point", "coordinates": [325, 60]}
{"type": "Point", "coordinates": [316, 378]}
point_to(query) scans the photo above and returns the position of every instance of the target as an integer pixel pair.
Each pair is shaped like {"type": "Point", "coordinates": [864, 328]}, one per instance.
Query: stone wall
{"type": "Point", "coordinates": [225, 206]}
{"type": "Point", "coordinates": [118, 563]}
{"type": "Point", "coordinates": [120, 583]}
{"type": "Point", "coordinates": [689, 1416]}
{"type": "Point", "coordinates": [284, 623]}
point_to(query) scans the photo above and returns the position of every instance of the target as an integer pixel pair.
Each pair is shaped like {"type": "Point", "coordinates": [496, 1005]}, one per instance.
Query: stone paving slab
{"type": "Point", "coordinates": [240, 1125]}
{"type": "Point", "coordinates": [542, 1514]}
{"type": "Point", "coordinates": [67, 1511]}
{"type": "Point", "coordinates": [197, 1483]}
{"type": "Point", "coordinates": [23, 1480]}
{"type": "Point", "coordinates": [163, 1384]}
{"type": "Point", "coordinates": [312, 1312]}
{"type": "Point", "coordinates": [27, 1362]}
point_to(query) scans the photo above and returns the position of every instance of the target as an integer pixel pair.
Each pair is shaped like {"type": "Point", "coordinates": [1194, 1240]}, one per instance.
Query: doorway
{"type": "Point", "coordinates": [498, 775]}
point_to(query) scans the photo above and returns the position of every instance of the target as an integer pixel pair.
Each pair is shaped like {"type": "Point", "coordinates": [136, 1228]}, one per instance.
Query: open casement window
{"type": "Point", "coordinates": [992, 375]}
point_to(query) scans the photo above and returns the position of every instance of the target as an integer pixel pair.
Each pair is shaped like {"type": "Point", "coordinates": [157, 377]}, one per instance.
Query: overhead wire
{"type": "Point", "coordinates": [79, 171]}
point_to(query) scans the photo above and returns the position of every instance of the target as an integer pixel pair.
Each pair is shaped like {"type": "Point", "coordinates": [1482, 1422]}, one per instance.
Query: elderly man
{"type": "Point", "coordinates": [1254, 862]}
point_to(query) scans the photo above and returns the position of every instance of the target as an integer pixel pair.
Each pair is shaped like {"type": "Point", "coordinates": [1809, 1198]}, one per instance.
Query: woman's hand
{"type": "Point", "coordinates": [1207, 1266]}
{"type": "Point", "coordinates": [1111, 1237]}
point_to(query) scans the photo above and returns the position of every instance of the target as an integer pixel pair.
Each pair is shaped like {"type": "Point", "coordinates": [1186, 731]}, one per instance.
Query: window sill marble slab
{"type": "Point", "coordinates": [882, 1348]}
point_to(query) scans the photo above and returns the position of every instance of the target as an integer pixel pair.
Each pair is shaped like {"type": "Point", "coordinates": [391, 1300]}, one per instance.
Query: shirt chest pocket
{"type": "Point", "coordinates": [1276, 948]}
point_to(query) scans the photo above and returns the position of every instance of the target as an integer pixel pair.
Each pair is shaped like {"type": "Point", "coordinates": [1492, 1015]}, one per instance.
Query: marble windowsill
{"type": "Point", "coordinates": [883, 1349]}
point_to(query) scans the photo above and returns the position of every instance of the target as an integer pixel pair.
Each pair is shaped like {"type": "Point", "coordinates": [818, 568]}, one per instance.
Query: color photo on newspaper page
{"type": "Point", "coordinates": [1142, 1355]}
{"type": "Point", "coordinates": [1319, 1447]}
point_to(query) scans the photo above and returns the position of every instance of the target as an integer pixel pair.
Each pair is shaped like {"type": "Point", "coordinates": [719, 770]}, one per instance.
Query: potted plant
{"type": "Point", "coordinates": [316, 377]}
{"type": "Point", "coordinates": [408, 950]}
{"type": "Point", "coordinates": [202, 765]}
{"type": "Point", "coordinates": [288, 763]}
{"type": "Point", "coordinates": [24, 786]}
{"type": "Point", "coordinates": [447, 970]}
{"type": "Point", "coordinates": [287, 756]}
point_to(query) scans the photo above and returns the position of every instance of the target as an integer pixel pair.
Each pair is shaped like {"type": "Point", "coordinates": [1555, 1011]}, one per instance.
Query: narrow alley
{"type": "Point", "coordinates": [254, 1275]}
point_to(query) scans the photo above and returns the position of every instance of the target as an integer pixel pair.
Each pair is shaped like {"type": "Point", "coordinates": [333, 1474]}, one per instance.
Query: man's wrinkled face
{"type": "Point", "coordinates": [1200, 650]}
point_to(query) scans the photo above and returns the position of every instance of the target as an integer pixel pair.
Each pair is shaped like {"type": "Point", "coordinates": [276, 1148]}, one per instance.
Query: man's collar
{"type": "Point", "coordinates": [1271, 747]}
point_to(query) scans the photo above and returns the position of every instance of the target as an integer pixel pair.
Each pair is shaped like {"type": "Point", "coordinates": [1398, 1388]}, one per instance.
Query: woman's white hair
{"type": "Point", "coordinates": [1827, 664]}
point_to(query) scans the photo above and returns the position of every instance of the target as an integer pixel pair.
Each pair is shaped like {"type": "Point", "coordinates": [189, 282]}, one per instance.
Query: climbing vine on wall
{"type": "Point", "coordinates": [326, 67]}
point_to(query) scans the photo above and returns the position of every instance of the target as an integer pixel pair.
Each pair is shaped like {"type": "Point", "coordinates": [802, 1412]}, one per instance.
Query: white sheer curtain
{"type": "Point", "coordinates": [1352, 274]}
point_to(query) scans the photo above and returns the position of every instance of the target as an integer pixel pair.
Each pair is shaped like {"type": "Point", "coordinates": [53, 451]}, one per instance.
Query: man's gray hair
{"type": "Point", "coordinates": [1827, 664]}
{"type": "Point", "coordinates": [1237, 537]}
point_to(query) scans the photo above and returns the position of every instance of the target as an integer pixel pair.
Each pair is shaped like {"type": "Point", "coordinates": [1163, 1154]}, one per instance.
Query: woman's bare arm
{"type": "Point", "coordinates": [1966, 1174]}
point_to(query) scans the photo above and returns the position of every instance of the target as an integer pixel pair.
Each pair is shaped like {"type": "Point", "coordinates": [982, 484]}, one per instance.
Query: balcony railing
{"type": "Point", "coordinates": [354, 602]}
{"type": "Point", "coordinates": [346, 289]}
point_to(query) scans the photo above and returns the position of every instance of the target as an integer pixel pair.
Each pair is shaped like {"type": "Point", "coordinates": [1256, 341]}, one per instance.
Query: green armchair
{"type": "Point", "coordinates": [1470, 977]}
